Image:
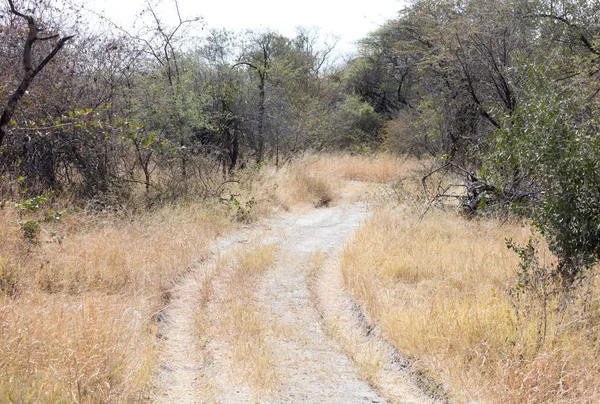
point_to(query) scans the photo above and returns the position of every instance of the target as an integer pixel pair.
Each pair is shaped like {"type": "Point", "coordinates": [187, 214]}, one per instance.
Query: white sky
{"type": "Point", "coordinates": [351, 20]}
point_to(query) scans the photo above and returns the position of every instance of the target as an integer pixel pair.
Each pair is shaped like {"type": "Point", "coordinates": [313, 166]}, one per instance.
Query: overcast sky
{"type": "Point", "coordinates": [351, 20]}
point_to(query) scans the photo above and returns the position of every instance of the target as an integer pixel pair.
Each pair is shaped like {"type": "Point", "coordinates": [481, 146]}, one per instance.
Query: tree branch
{"type": "Point", "coordinates": [30, 71]}
{"type": "Point", "coordinates": [584, 40]}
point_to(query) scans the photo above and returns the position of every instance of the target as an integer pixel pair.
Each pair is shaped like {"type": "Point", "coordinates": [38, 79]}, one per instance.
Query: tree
{"type": "Point", "coordinates": [31, 69]}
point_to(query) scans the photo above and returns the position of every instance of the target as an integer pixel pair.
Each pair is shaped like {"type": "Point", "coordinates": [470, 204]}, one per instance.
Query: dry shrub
{"type": "Point", "coordinates": [398, 138]}
{"type": "Point", "coordinates": [441, 290]}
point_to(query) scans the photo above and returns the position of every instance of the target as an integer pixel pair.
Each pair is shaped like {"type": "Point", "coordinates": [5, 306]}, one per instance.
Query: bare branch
{"type": "Point", "coordinates": [584, 40]}
{"type": "Point", "coordinates": [48, 37]}
{"type": "Point", "coordinates": [244, 63]}
{"type": "Point", "coordinates": [30, 71]}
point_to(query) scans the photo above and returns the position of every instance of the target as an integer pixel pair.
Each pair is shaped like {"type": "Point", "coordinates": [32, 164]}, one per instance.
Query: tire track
{"type": "Point", "coordinates": [304, 309]}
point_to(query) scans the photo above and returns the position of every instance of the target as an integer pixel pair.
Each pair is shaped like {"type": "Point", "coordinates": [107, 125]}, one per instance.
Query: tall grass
{"type": "Point", "coordinates": [443, 291]}
{"type": "Point", "coordinates": [383, 168]}
{"type": "Point", "coordinates": [77, 322]}
{"type": "Point", "coordinates": [78, 311]}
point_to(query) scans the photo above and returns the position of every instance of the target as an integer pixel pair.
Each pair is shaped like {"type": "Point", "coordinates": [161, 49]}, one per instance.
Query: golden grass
{"type": "Point", "coordinates": [232, 317]}
{"type": "Point", "coordinates": [441, 291]}
{"type": "Point", "coordinates": [373, 357]}
{"type": "Point", "coordinates": [337, 319]}
{"type": "Point", "coordinates": [313, 180]}
{"type": "Point", "coordinates": [103, 278]}
{"type": "Point", "coordinates": [77, 321]}
{"type": "Point", "coordinates": [383, 168]}
{"type": "Point", "coordinates": [304, 182]}
{"type": "Point", "coordinates": [261, 192]}
{"type": "Point", "coordinates": [87, 349]}
{"type": "Point", "coordinates": [245, 328]}
{"type": "Point", "coordinates": [78, 317]}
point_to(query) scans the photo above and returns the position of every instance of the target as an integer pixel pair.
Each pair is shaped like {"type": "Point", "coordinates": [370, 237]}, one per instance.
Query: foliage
{"type": "Point", "coordinates": [356, 124]}
{"type": "Point", "coordinates": [32, 215]}
{"type": "Point", "coordinates": [243, 210]}
{"type": "Point", "coordinates": [549, 146]}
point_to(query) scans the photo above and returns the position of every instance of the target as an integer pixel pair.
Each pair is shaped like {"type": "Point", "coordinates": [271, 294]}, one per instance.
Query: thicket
{"type": "Point", "coordinates": [158, 108]}
{"type": "Point", "coordinates": [506, 93]}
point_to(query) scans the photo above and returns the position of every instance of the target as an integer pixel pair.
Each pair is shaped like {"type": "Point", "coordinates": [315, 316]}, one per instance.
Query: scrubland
{"type": "Point", "coordinates": [445, 290]}
{"type": "Point", "coordinates": [79, 308]}
{"type": "Point", "coordinates": [79, 301]}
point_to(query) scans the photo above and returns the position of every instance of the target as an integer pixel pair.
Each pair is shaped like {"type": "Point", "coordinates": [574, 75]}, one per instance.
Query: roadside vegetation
{"type": "Point", "coordinates": [451, 297]}
{"type": "Point", "coordinates": [81, 296]}
{"type": "Point", "coordinates": [125, 153]}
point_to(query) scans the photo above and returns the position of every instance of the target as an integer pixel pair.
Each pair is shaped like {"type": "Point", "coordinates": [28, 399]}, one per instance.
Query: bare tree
{"type": "Point", "coordinates": [307, 41]}
{"type": "Point", "coordinates": [30, 69]}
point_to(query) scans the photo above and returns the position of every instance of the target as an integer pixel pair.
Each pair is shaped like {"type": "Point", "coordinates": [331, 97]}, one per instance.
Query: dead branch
{"type": "Point", "coordinates": [478, 191]}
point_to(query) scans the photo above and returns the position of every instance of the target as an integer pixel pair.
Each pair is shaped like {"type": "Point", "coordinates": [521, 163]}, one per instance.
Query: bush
{"type": "Point", "coordinates": [549, 148]}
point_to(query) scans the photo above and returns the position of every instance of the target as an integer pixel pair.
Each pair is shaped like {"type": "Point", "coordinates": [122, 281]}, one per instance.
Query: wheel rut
{"type": "Point", "coordinates": [301, 315]}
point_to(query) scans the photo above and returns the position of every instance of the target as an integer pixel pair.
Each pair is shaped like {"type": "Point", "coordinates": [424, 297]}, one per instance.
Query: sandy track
{"type": "Point", "coordinates": [181, 359]}
{"type": "Point", "coordinates": [306, 327]}
{"type": "Point", "coordinates": [312, 367]}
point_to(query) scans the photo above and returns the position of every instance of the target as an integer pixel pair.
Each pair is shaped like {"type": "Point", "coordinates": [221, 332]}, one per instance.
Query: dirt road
{"type": "Point", "coordinates": [312, 344]}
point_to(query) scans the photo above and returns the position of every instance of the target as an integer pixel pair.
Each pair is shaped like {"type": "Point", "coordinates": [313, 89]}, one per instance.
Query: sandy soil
{"type": "Point", "coordinates": [316, 341]}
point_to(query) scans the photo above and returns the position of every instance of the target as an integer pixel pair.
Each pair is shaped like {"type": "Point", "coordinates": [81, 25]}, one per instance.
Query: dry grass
{"type": "Point", "coordinates": [375, 359]}
{"type": "Point", "coordinates": [383, 168]}
{"type": "Point", "coordinates": [62, 349]}
{"type": "Point", "coordinates": [244, 327]}
{"type": "Point", "coordinates": [78, 312]}
{"type": "Point", "coordinates": [261, 192]}
{"type": "Point", "coordinates": [441, 290]}
{"type": "Point", "coordinates": [304, 182]}
{"type": "Point", "coordinates": [77, 320]}
{"type": "Point", "coordinates": [231, 316]}
{"type": "Point", "coordinates": [327, 292]}
{"type": "Point", "coordinates": [314, 180]}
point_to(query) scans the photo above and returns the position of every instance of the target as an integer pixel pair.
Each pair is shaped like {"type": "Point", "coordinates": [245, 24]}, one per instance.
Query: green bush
{"type": "Point", "coordinates": [549, 147]}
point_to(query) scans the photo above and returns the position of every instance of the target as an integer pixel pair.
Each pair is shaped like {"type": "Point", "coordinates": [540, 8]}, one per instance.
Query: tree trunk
{"type": "Point", "coordinates": [261, 118]}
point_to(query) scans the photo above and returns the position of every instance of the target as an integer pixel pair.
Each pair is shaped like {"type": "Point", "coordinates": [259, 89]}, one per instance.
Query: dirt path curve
{"type": "Point", "coordinates": [313, 368]}
{"type": "Point", "coordinates": [307, 312]}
